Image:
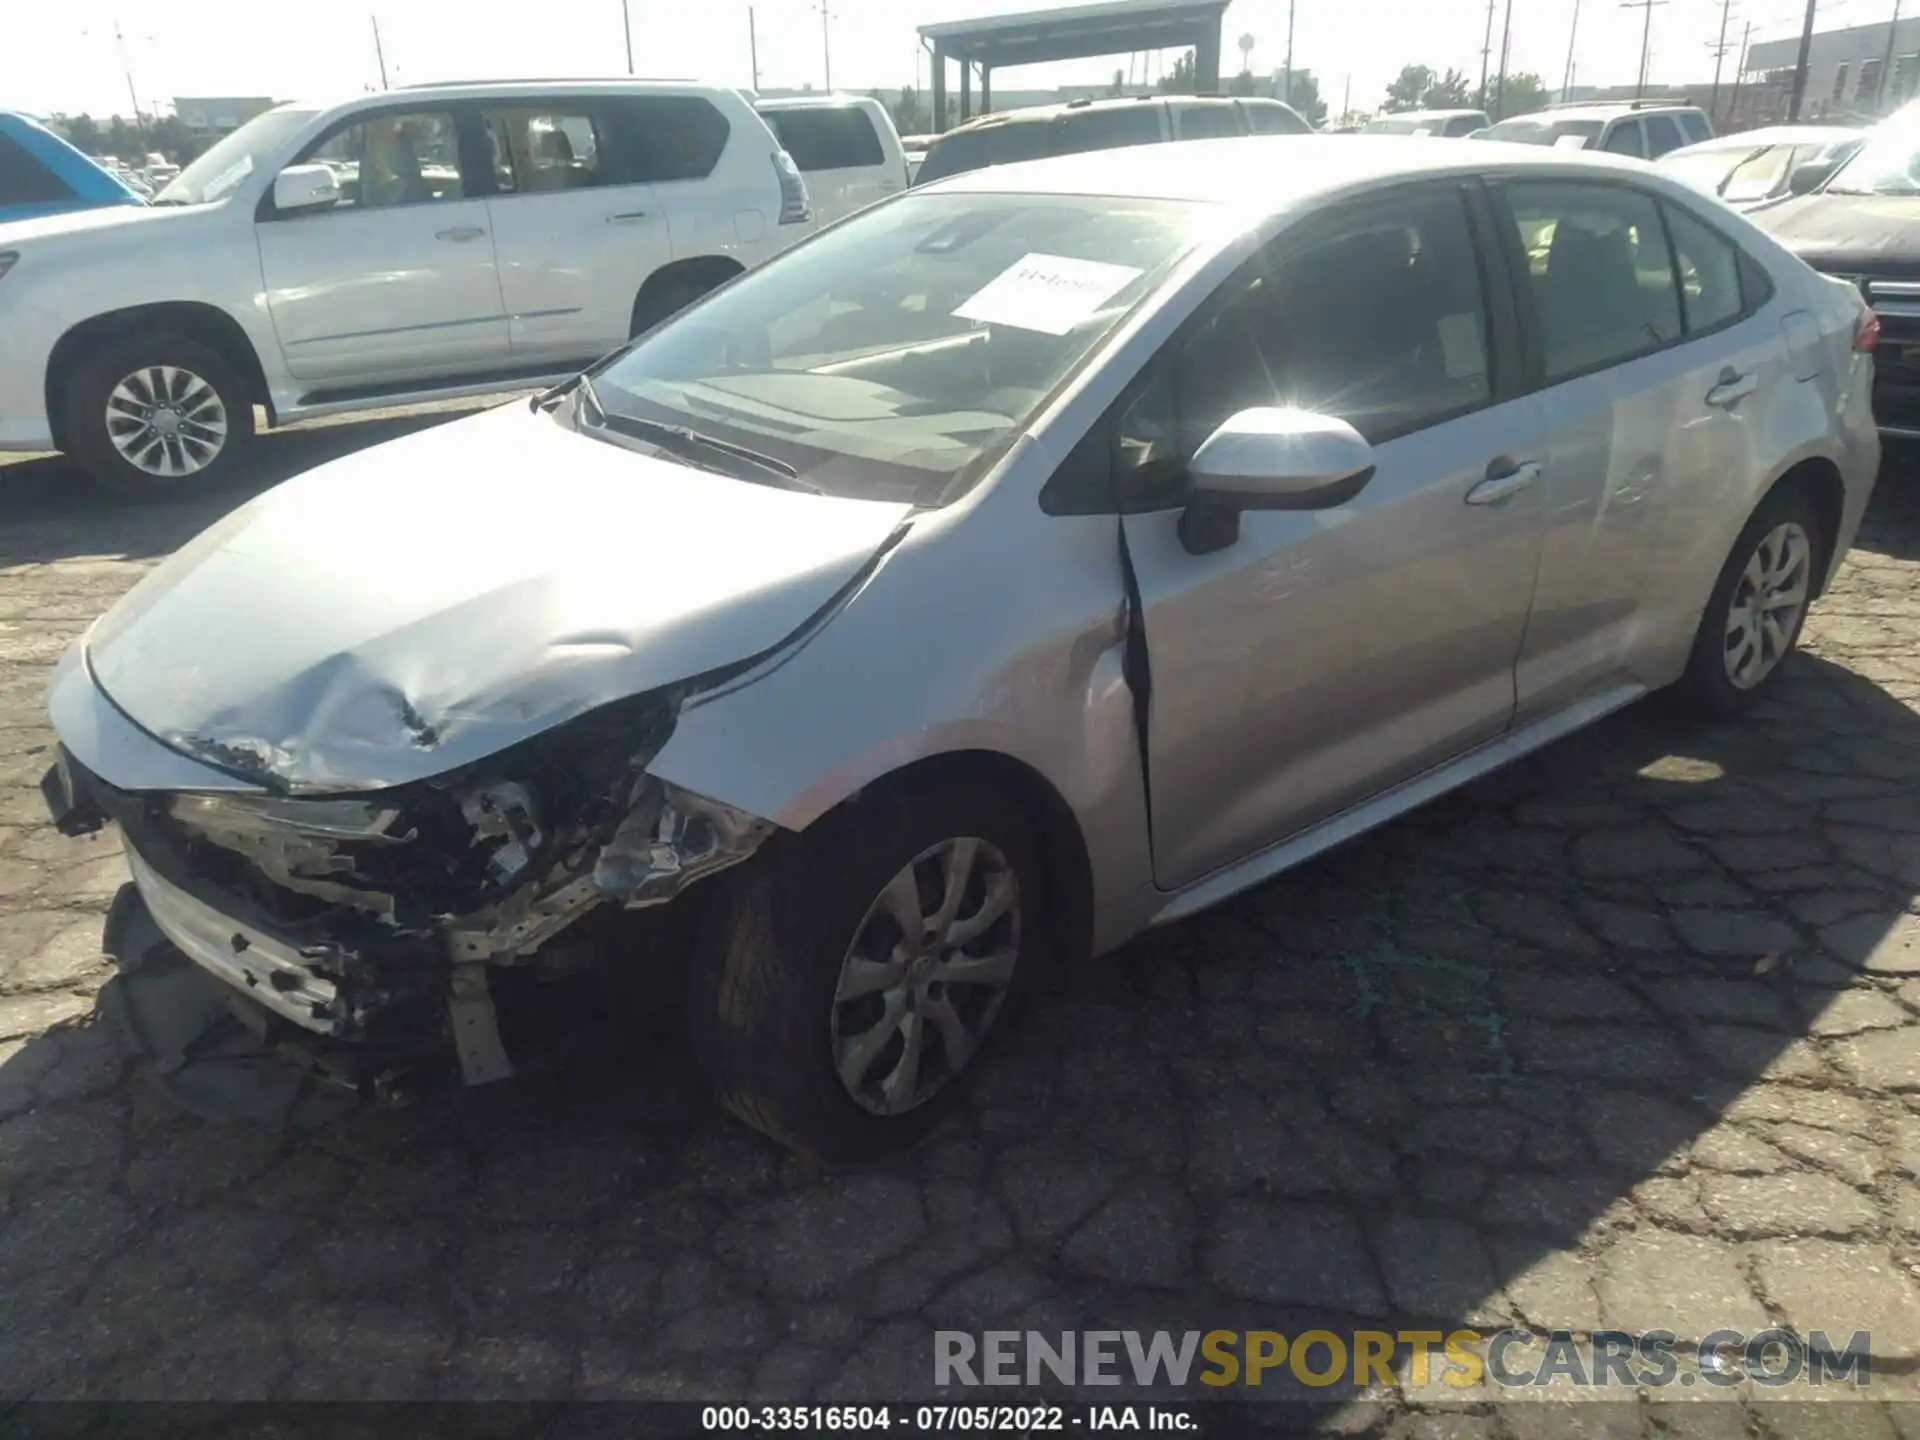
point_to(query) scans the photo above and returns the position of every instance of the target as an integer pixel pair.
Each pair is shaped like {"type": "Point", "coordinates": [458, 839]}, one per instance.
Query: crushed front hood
{"type": "Point", "coordinates": [415, 607]}
{"type": "Point", "coordinates": [1831, 231]}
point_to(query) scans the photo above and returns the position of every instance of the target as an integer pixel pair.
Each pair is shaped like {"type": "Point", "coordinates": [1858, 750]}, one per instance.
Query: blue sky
{"type": "Point", "coordinates": [63, 57]}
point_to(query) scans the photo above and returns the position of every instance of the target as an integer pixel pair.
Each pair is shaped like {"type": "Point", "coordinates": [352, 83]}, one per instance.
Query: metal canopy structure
{"type": "Point", "coordinates": [1114, 27]}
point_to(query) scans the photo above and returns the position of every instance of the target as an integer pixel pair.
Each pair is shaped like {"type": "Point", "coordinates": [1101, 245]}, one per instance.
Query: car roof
{"type": "Point", "coordinates": [485, 89]}
{"type": "Point", "coordinates": [1609, 110]}
{"type": "Point", "coordinates": [1428, 114]}
{"type": "Point", "coordinates": [1217, 171]}
{"type": "Point", "coordinates": [1772, 135]}
{"type": "Point", "coordinates": [814, 102]}
{"type": "Point", "coordinates": [1063, 107]}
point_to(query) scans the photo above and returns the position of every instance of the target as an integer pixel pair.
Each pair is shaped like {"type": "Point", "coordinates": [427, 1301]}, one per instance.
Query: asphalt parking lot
{"type": "Point", "coordinates": [1627, 1038]}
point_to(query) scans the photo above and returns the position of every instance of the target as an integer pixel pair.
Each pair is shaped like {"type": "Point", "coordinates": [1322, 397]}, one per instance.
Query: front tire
{"type": "Point", "coordinates": [851, 982]}
{"type": "Point", "coordinates": [1759, 604]}
{"type": "Point", "coordinates": [158, 416]}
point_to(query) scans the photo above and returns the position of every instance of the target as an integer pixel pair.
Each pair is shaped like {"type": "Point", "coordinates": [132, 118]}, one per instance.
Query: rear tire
{"type": "Point", "coordinates": [791, 1010]}
{"type": "Point", "coordinates": [657, 303]}
{"type": "Point", "coordinates": [157, 416]}
{"type": "Point", "coordinates": [1759, 604]}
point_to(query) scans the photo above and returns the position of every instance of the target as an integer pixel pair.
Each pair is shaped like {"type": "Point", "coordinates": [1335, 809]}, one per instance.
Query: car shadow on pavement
{"type": "Point", "coordinates": [49, 510]}
{"type": "Point", "coordinates": [1625, 1037]}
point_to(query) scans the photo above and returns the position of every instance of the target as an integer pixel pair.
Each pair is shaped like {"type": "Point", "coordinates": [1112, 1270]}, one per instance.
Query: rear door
{"type": "Point", "coordinates": [840, 153]}
{"type": "Point", "coordinates": [576, 228]}
{"type": "Point", "coordinates": [396, 281]}
{"type": "Point", "coordinates": [1320, 658]}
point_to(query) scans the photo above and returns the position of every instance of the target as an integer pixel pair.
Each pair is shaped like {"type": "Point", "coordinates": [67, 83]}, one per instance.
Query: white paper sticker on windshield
{"type": "Point", "coordinates": [227, 178]}
{"type": "Point", "coordinates": [1570, 142]}
{"type": "Point", "coordinates": [1048, 293]}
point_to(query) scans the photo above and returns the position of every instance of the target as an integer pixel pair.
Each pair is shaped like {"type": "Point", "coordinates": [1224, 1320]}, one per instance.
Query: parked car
{"type": "Point", "coordinates": [1445, 124]}
{"type": "Point", "coordinates": [41, 174]}
{"type": "Point", "coordinates": [915, 148]}
{"type": "Point", "coordinates": [1081, 125]}
{"type": "Point", "coordinates": [401, 246]}
{"type": "Point", "coordinates": [724, 695]}
{"type": "Point", "coordinates": [846, 147]}
{"type": "Point", "coordinates": [1753, 168]}
{"type": "Point", "coordinates": [1860, 222]}
{"type": "Point", "coordinates": [1644, 129]}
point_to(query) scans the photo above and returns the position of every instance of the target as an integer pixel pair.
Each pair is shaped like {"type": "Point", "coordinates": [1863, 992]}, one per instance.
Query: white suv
{"type": "Point", "coordinates": [845, 145]}
{"type": "Point", "coordinates": [416, 244]}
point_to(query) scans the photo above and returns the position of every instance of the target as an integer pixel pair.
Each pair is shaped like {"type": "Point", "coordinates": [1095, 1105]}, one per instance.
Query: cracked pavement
{"type": "Point", "coordinates": [1627, 1037]}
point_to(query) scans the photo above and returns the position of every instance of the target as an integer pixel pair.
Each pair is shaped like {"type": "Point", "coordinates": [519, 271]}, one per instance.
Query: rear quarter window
{"type": "Point", "coordinates": [24, 180]}
{"type": "Point", "coordinates": [1207, 122]}
{"type": "Point", "coordinates": [666, 137]}
{"type": "Point", "coordinates": [1270, 117]}
{"type": "Point", "coordinates": [828, 139]}
{"type": "Point", "coordinates": [1695, 127]}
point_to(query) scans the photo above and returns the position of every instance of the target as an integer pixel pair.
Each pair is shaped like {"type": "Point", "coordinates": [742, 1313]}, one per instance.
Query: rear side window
{"type": "Point", "coordinates": [1110, 129]}
{"type": "Point", "coordinates": [1207, 122]}
{"type": "Point", "coordinates": [1625, 139]}
{"type": "Point", "coordinates": [1003, 144]}
{"type": "Point", "coordinates": [1464, 125]}
{"type": "Point", "coordinates": [1662, 135]}
{"type": "Point", "coordinates": [660, 138]}
{"type": "Point", "coordinates": [24, 180]}
{"type": "Point", "coordinates": [841, 138]}
{"type": "Point", "coordinates": [1709, 272]}
{"type": "Point", "coordinates": [1601, 273]}
{"type": "Point", "coordinates": [1270, 117]}
{"type": "Point", "coordinates": [534, 150]}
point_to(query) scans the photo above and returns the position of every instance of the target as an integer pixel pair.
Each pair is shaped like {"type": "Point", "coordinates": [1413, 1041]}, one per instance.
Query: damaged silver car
{"type": "Point", "coordinates": [1039, 556]}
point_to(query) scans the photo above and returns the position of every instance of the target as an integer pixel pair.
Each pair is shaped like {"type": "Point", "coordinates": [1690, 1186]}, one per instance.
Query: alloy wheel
{"type": "Point", "coordinates": [926, 975]}
{"type": "Point", "coordinates": [1767, 602]}
{"type": "Point", "coordinates": [166, 421]}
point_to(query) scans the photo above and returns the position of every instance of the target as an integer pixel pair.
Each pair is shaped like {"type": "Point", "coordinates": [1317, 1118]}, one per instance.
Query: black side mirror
{"type": "Point", "coordinates": [1808, 178]}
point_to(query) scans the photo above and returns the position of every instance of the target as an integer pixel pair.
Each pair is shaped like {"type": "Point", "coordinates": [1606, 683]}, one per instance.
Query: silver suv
{"type": "Point", "coordinates": [1643, 129]}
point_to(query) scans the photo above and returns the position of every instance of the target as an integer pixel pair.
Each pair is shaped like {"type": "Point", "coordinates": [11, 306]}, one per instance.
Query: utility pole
{"type": "Point", "coordinates": [126, 68]}
{"type": "Point", "coordinates": [753, 52]}
{"type": "Point", "coordinates": [1506, 41]}
{"type": "Point", "coordinates": [626, 29]}
{"type": "Point", "coordinates": [826, 42]}
{"type": "Point", "coordinates": [1286, 96]}
{"type": "Point", "coordinates": [1719, 59]}
{"type": "Point", "coordinates": [1573, 34]}
{"type": "Point", "coordinates": [1486, 54]}
{"type": "Point", "coordinates": [1886, 65]}
{"type": "Point", "coordinates": [378, 53]}
{"type": "Point", "coordinates": [1740, 74]}
{"type": "Point", "coordinates": [1346, 100]}
{"type": "Point", "coordinates": [1800, 65]}
{"type": "Point", "coordinates": [1646, 39]}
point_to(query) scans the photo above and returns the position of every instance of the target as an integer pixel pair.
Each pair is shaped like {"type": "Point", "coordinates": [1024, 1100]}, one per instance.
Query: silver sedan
{"type": "Point", "coordinates": [1038, 557]}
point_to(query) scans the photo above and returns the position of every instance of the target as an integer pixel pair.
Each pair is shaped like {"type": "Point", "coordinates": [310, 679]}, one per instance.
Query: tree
{"type": "Point", "coordinates": [1119, 85]}
{"type": "Point", "coordinates": [1302, 91]}
{"type": "Point", "coordinates": [1179, 80]}
{"type": "Point", "coordinates": [1408, 88]}
{"type": "Point", "coordinates": [1449, 92]}
{"type": "Point", "coordinates": [82, 132]}
{"type": "Point", "coordinates": [908, 116]}
{"type": "Point", "coordinates": [1523, 93]}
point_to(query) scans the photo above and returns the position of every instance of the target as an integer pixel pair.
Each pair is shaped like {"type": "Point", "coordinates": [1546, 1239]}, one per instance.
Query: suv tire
{"type": "Point", "coordinates": [156, 416]}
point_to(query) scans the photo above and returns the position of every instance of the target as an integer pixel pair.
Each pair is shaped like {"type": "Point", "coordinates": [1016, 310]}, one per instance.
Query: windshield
{"type": "Point", "coordinates": [1887, 164]}
{"type": "Point", "coordinates": [1532, 130]}
{"type": "Point", "coordinates": [214, 175]}
{"type": "Point", "coordinates": [1704, 169]}
{"type": "Point", "coordinates": [898, 355]}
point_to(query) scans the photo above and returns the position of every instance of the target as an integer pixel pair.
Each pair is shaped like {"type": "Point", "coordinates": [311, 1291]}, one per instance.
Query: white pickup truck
{"type": "Point", "coordinates": [411, 245]}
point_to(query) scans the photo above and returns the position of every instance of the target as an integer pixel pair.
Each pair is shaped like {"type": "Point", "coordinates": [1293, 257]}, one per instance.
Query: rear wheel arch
{"type": "Point", "coordinates": [205, 324]}
{"type": "Point", "coordinates": [1818, 478]}
{"type": "Point", "coordinates": [678, 284]}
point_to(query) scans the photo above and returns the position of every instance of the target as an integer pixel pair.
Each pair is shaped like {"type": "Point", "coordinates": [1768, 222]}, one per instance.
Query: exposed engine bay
{"type": "Point", "coordinates": [375, 919]}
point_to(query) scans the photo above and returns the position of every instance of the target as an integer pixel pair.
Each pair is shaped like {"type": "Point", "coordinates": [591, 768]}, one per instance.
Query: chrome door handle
{"type": "Point", "coordinates": [626, 217]}
{"type": "Point", "coordinates": [460, 232]}
{"type": "Point", "coordinates": [1733, 388]}
{"type": "Point", "coordinates": [1495, 488]}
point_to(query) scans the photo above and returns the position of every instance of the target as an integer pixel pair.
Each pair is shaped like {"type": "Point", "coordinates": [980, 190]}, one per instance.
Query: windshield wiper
{"type": "Point", "coordinates": [683, 442]}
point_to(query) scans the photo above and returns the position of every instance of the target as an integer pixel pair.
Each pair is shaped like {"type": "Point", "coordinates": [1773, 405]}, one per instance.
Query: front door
{"type": "Point", "coordinates": [1324, 657]}
{"type": "Point", "coordinates": [396, 281]}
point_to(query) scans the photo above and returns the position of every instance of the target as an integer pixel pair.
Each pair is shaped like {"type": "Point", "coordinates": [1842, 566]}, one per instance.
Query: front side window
{"type": "Point", "coordinates": [536, 150]}
{"type": "Point", "coordinates": [827, 138]}
{"type": "Point", "coordinates": [1662, 134]}
{"type": "Point", "coordinates": [24, 180]}
{"type": "Point", "coordinates": [1375, 315]}
{"type": "Point", "coordinates": [411, 158]}
{"type": "Point", "coordinates": [1110, 129]}
{"type": "Point", "coordinates": [897, 356]}
{"type": "Point", "coordinates": [1626, 139]}
{"type": "Point", "coordinates": [1600, 271]}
